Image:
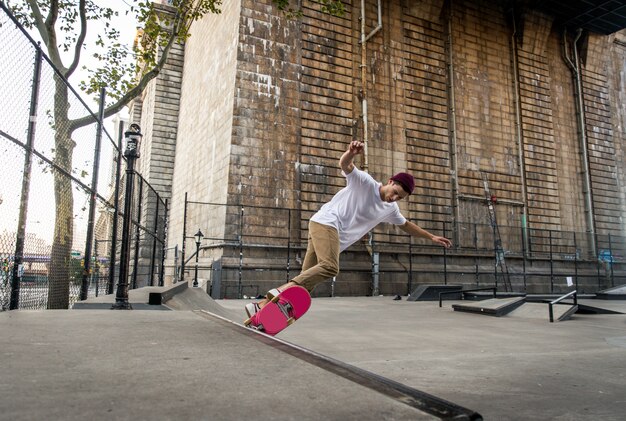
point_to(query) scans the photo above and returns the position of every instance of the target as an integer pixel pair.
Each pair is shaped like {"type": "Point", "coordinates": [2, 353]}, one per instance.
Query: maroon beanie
{"type": "Point", "coordinates": [405, 180]}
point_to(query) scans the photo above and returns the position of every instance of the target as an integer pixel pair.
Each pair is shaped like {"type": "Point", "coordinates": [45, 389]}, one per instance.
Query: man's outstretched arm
{"type": "Point", "coordinates": [346, 161]}
{"type": "Point", "coordinates": [416, 231]}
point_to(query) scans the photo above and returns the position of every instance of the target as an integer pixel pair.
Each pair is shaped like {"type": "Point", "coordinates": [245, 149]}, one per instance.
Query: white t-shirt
{"type": "Point", "coordinates": [357, 209]}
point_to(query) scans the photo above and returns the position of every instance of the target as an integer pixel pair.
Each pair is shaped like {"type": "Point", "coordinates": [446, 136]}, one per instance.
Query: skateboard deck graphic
{"type": "Point", "coordinates": [284, 309]}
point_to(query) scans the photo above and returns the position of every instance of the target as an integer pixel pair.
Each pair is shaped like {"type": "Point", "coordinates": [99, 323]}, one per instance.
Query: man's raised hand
{"type": "Point", "coordinates": [356, 147]}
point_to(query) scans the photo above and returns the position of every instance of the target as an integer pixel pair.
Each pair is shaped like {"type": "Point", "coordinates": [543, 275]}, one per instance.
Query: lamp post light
{"type": "Point", "coordinates": [198, 237]}
{"type": "Point", "coordinates": [133, 140]}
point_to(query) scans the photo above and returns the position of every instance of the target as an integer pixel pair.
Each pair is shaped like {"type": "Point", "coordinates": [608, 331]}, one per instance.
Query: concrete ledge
{"type": "Point", "coordinates": [147, 298]}
{"type": "Point", "coordinates": [426, 403]}
{"type": "Point", "coordinates": [428, 292]}
{"type": "Point", "coordinates": [494, 307]}
{"type": "Point", "coordinates": [615, 293]}
{"type": "Point", "coordinates": [165, 293]}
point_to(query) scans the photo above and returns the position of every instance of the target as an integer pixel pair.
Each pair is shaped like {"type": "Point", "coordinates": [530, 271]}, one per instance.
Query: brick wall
{"type": "Point", "coordinates": [424, 108]}
{"type": "Point", "coordinates": [329, 87]}
{"type": "Point", "coordinates": [617, 95]}
{"type": "Point", "coordinates": [538, 125]}
{"type": "Point", "coordinates": [205, 127]}
{"type": "Point", "coordinates": [266, 112]}
{"type": "Point", "coordinates": [567, 145]}
{"type": "Point", "coordinates": [269, 104]}
{"type": "Point", "coordinates": [601, 137]}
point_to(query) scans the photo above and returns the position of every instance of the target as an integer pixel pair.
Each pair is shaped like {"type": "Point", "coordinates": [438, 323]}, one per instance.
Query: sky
{"type": "Point", "coordinates": [15, 82]}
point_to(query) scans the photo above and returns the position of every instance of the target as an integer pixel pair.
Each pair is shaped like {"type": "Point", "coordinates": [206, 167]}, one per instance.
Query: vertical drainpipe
{"type": "Point", "coordinates": [363, 42]}
{"type": "Point", "coordinates": [518, 132]}
{"type": "Point", "coordinates": [582, 134]}
{"type": "Point", "coordinates": [452, 126]}
{"type": "Point", "coordinates": [364, 85]}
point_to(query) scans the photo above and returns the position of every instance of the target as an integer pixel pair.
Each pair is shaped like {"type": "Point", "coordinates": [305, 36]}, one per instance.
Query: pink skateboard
{"type": "Point", "coordinates": [281, 311]}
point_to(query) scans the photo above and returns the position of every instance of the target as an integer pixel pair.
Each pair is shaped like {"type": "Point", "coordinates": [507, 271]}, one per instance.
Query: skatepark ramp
{"type": "Point", "coordinates": [436, 407]}
{"type": "Point", "coordinates": [615, 293]}
{"type": "Point", "coordinates": [600, 306]}
{"type": "Point", "coordinates": [180, 297]}
{"type": "Point", "coordinates": [432, 292]}
{"type": "Point", "coordinates": [492, 307]}
{"type": "Point", "coordinates": [147, 298]}
{"type": "Point", "coordinates": [197, 299]}
{"type": "Point", "coordinates": [174, 297]}
{"type": "Point", "coordinates": [555, 310]}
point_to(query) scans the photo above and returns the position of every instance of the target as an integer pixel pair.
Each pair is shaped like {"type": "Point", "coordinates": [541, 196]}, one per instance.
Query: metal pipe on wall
{"type": "Point", "coordinates": [518, 131]}
{"type": "Point", "coordinates": [363, 42]}
{"type": "Point", "coordinates": [452, 125]}
{"type": "Point", "coordinates": [574, 67]}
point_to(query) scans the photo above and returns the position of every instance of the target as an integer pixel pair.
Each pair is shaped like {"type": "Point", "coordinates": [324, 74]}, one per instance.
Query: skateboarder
{"type": "Point", "coordinates": [352, 212]}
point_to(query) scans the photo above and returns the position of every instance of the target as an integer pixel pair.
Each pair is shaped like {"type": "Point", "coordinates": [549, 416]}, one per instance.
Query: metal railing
{"type": "Point", "coordinates": [267, 244]}
{"type": "Point", "coordinates": [551, 304]}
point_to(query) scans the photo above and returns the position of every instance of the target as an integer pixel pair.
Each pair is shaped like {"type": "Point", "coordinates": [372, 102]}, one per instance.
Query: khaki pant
{"type": "Point", "coordinates": [321, 261]}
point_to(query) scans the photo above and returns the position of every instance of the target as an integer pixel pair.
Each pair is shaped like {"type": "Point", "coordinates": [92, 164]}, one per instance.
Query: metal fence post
{"type": "Point", "coordinates": [375, 265]}
{"type": "Point", "coordinates": [410, 281]}
{"type": "Point", "coordinates": [96, 266]}
{"type": "Point", "coordinates": [524, 256]}
{"type": "Point", "coordinates": [154, 241]}
{"type": "Point", "coordinates": [116, 210]}
{"type": "Point", "coordinates": [288, 241]}
{"type": "Point", "coordinates": [137, 232]}
{"type": "Point", "coordinates": [445, 257]}
{"type": "Point", "coordinates": [86, 279]}
{"type": "Point", "coordinates": [597, 255]}
{"type": "Point", "coordinates": [239, 282]}
{"type": "Point", "coordinates": [551, 264]}
{"type": "Point", "coordinates": [611, 261]}
{"type": "Point", "coordinates": [575, 261]}
{"type": "Point", "coordinates": [18, 257]}
{"type": "Point", "coordinates": [182, 252]}
{"type": "Point", "coordinates": [161, 271]}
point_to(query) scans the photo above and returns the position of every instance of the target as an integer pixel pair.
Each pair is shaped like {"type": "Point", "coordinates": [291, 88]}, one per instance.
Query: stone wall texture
{"type": "Point", "coordinates": [457, 93]}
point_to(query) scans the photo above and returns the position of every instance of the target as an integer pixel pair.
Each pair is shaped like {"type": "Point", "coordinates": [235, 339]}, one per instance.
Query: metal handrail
{"type": "Point", "coordinates": [463, 291]}
{"type": "Point", "coordinates": [558, 300]}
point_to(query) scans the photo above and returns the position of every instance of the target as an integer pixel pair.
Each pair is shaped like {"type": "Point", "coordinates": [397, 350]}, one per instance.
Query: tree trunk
{"type": "Point", "coordinates": [59, 275]}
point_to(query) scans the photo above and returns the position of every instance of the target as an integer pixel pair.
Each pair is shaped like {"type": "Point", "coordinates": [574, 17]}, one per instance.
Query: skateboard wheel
{"type": "Point", "coordinates": [247, 322]}
{"type": "Point", "coordinates": [290, 321]}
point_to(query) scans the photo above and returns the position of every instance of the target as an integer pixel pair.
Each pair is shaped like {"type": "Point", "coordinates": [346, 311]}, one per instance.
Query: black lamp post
{"type": "Point", "coordinates": [133, 139]}
{"type": "Point", "coordinates": [198, 237]}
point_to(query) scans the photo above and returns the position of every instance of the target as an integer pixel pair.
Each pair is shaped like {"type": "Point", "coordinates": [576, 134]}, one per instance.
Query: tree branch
{"type": "Point", "coordinates": [51, 44]}
{"type": "Point", "coordinates": [138, 89]}
{"type": "Point", "coordinates": [81, 38]}
{"type": "Point", "coordinates": [39, 22]}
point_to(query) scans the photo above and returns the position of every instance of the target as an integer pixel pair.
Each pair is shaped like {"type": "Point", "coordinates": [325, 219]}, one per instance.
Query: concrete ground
{"type": "Point", "coordinates": [101, 364]}
{"type": "Point", "coordinates": [515, 367]}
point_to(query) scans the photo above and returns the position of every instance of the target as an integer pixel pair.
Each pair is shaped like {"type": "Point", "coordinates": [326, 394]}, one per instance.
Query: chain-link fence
{"type": "Point", "coordinates": [61, 193]}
